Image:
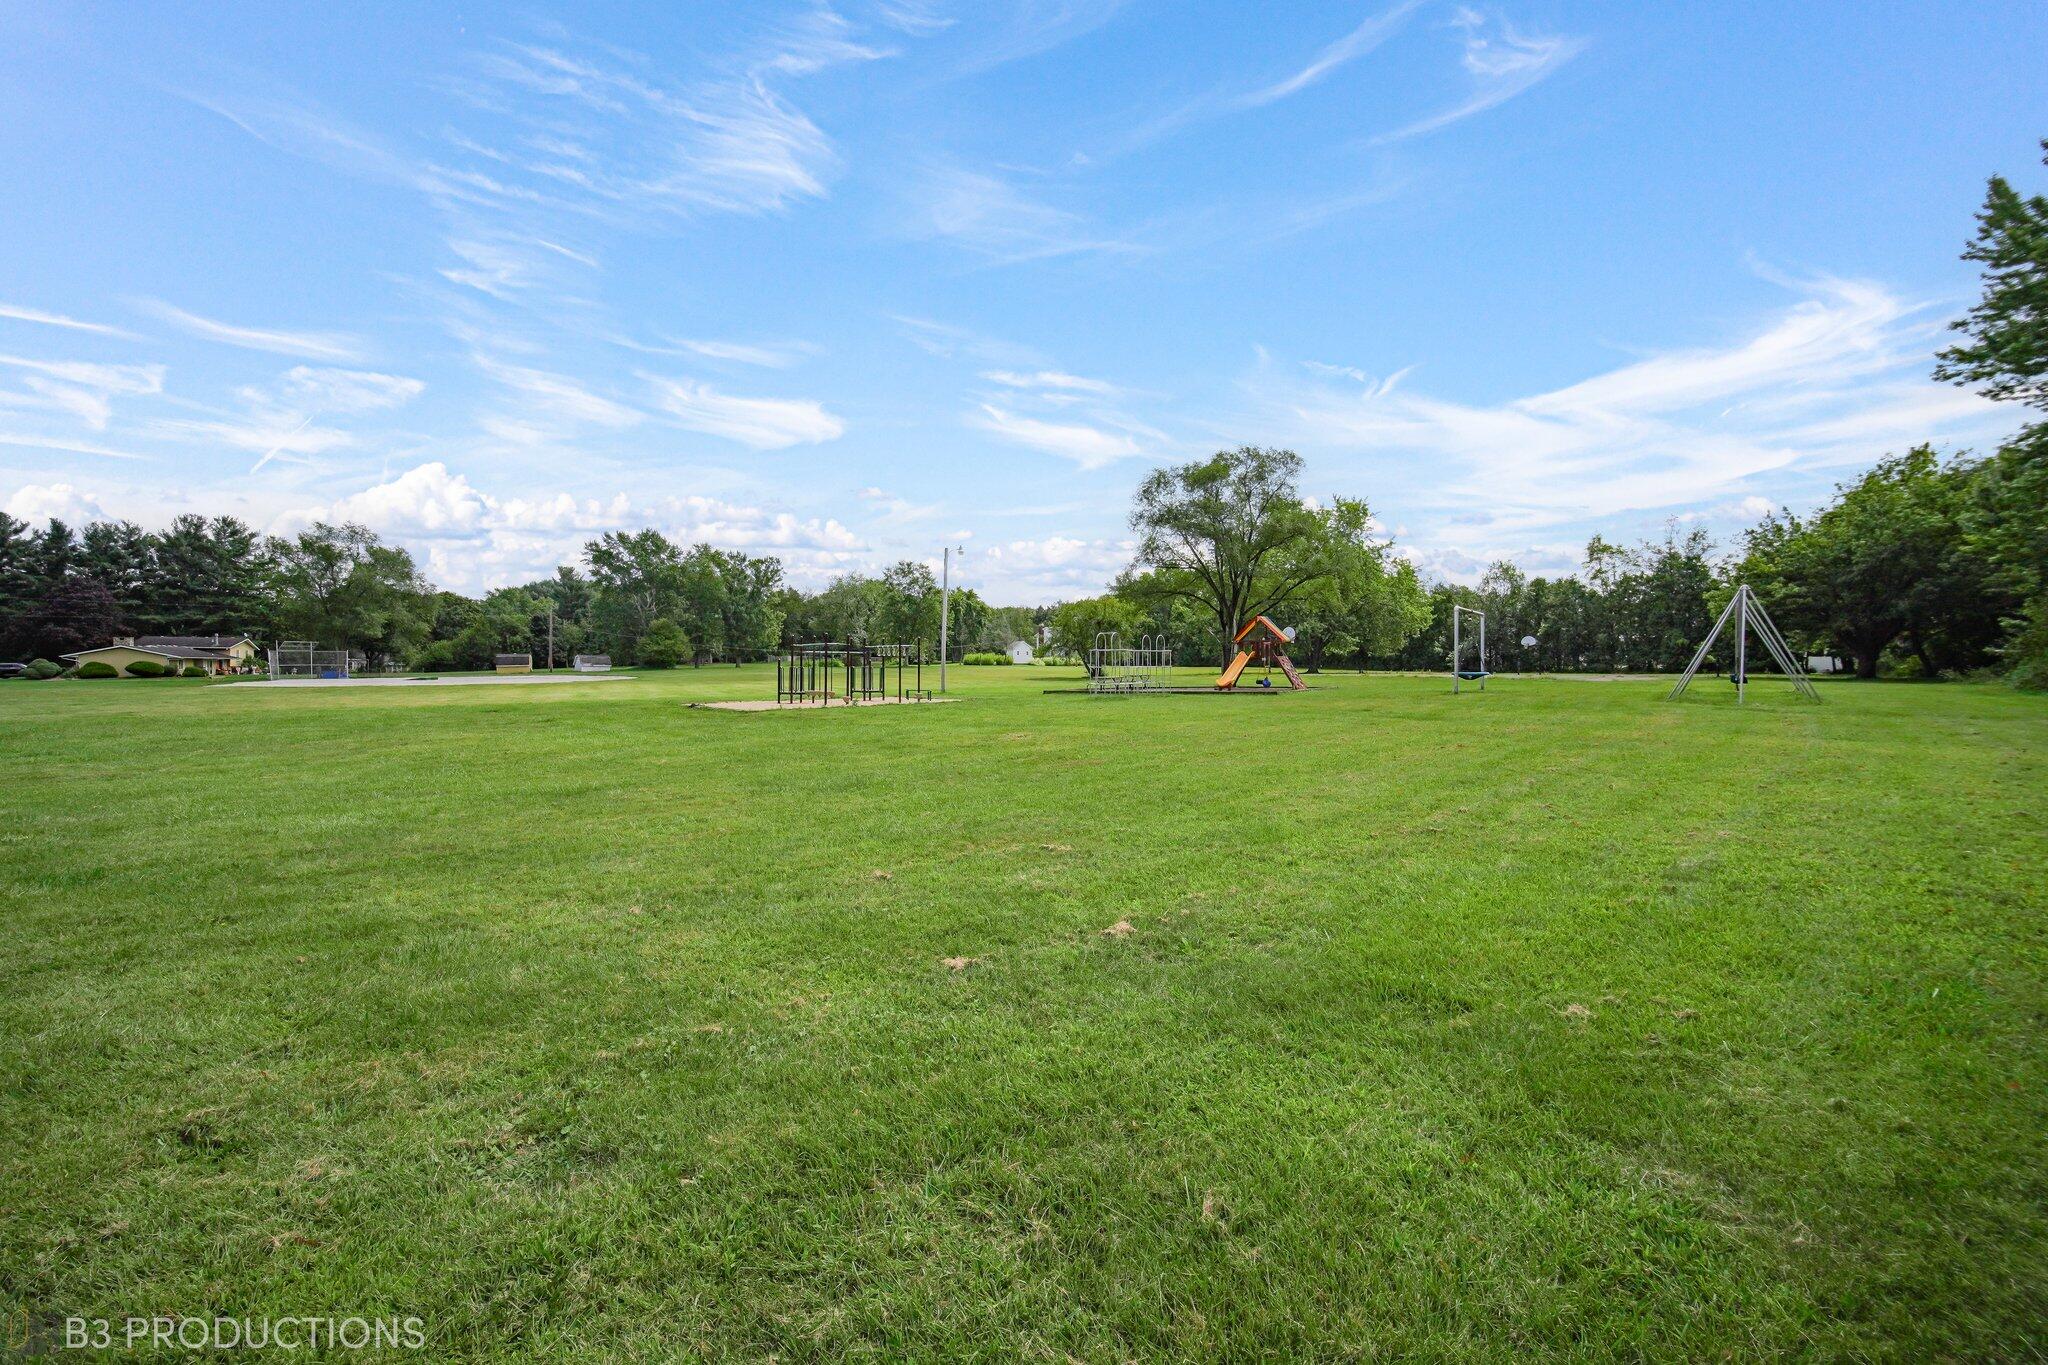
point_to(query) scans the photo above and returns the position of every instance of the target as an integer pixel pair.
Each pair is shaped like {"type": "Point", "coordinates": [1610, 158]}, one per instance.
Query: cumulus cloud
{"type": "Point", "coordinates": [1052, 567]}
{"type": "Point", "coordinates": [37, 503]}
{"type": "Point", "coordinates": [472, 540]}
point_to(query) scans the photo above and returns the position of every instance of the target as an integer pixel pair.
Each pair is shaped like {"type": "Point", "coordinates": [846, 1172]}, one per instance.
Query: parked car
{"type": "Point", "coordinates": [12, 670]}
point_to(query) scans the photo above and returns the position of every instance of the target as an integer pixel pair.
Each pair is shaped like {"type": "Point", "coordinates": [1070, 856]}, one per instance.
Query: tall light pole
{"type": "Point", "coordinates": [945, 606]}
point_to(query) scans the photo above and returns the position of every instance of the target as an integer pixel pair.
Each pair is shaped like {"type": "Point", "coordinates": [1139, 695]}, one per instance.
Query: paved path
{"type": "Point", "coordinates": [481, 680]}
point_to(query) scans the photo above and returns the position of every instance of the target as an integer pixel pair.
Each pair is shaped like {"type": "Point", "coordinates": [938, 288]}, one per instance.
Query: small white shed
{"type": "Point", "coordinates": [1020, 652]}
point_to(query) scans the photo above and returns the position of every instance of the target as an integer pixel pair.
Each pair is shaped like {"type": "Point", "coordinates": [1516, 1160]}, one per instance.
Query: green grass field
{"type": "Point", "coordinates": [582, 1024]}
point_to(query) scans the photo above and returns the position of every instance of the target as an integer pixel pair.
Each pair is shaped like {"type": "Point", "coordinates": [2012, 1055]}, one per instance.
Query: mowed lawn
{"type": "Point", "coordinates": [582, 1024]}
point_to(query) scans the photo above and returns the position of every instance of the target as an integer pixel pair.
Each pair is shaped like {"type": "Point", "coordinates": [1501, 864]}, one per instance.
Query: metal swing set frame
{"type": "Point", "coordinates": [1749, 613]}
{"type": "Point", "coordinates": [1458, 673]}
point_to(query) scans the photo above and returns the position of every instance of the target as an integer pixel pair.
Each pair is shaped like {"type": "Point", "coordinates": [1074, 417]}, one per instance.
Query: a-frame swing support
{"type": "Point", "coordinates": [1749, 614]}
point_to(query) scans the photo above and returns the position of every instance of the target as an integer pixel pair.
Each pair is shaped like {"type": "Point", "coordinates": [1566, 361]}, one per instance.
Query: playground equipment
{"type": "Point", "coordinates": [807, 674]}
{"type": "Point", "coordinates": [1117, 669]}
{"type": "Point", "coordinates": [305, 659]}
{"type": "Point", "coordinates": [1749, 614]}
{"type": "Point", "coordinates": [1459, 674]}
{"type": "Point", "coordinates": [1268, 643]}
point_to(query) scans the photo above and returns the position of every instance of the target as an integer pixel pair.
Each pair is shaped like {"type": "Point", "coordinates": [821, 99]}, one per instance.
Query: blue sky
{"type": "Point", "coordinates": [847, 283]}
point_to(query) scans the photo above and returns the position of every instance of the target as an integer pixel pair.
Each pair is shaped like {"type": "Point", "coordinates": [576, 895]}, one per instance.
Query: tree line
{"type": "Point", "coordinates": [1923, 565]}
{"type": "Point", "coordinates": [637, 596]}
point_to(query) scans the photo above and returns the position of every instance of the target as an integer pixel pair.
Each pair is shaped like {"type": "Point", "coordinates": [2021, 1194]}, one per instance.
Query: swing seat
{"type": "Point", "coordinates": [1473, 675]}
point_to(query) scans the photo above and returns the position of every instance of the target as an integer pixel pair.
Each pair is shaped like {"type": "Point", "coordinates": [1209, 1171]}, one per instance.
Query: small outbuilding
{"type": "Point", "coordinates": [514, 663]}
{"type": "Point", "coordinates": [1020, 652]}
{"type": "Point", "coordinates": [593, 663]}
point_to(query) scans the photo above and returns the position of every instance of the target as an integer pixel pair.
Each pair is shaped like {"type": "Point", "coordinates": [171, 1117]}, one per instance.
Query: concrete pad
{"type": "Point", "coordinates": [819, 705]}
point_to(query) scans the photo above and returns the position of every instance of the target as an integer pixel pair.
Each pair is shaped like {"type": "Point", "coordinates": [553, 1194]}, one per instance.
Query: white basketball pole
{"type": "Point", "coordinates": [1741, 641]}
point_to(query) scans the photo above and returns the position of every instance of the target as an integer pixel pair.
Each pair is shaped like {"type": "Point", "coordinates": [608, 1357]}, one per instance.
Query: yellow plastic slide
{"type": "Point", "coordinates": [1236, 667]}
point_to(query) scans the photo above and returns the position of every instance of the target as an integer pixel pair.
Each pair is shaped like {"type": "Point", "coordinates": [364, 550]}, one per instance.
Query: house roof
{"type": "Point", "coordinates": [160, 651]}
{"type": "Point", "coordinates": [132, 649]}
{"type": "Point", "coordinates": [193, 641]}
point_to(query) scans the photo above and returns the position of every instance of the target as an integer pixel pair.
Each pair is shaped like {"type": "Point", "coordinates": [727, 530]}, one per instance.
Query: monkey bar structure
{"type": "Point", "coordinates": [1117, 669]}
{"type": "Point", "coordinates": [1749, 614]}
{"type": "Point", "coordinates": [853, 673]}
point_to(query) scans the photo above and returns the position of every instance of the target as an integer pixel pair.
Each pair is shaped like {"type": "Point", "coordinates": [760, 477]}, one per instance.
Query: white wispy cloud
{"type": "Point", "coordinates": [35, 442]}
{"type": "Point", "coordinates": [1501, 63]}
{"type": "Point", "coordinates": [918, 18]}
{"type": "Point", "coordinates": [1013, 32]}
{"type": "Point", "coordinates": [1087, 446]}
{"type": "Point", "coordinates": [278, 422]}
{"type": "Point", "coordinates": [1827, 381]}
{"type": "Point", "coordinates": [778, 356]}
{"type": "Point", "coordinates": [333, 390]}
{"type": "Point", "coordinates": [270, 436]}
{"type": "Point", "coordinates": [20, 314]}
{"type": "Point", "coordinates": [889, 509]}
{"type": "Point", "coordinates": [557, 397]}
{"type": "Point", "coordinates": [1049, 379]}
{"type": "Point", "coordinates": [309, 345]}
{"type": "Point", "coordinates": [763, 423]}
{"type": "Point", "coordinates": [731, 142]}
{"type": "Point", "coordinates": [1353, 45]}
{"type": "Point", "coordinates": [83, 390]}
{"type": "Point", "coordinates": [992, 217]}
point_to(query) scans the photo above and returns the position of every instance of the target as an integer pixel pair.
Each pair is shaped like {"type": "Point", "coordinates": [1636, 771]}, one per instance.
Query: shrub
{"type": "Point", "coordinates": [438, 656]}
{"type": "Point", "coordinates": [93, 668]}
{"type": "Point", "coordinates": [146, 668]}
{"type": "Point", "coordinates": [989, 658]}
{"type": "Point", "coordinates": [663, 646]}
{"type": "Point", "coordinates": [193, 671]}
{"type": "Point", "coordinates": [42, 670]}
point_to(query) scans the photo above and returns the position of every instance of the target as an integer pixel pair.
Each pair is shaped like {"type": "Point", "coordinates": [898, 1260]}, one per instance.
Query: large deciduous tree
{"type": "Point", "coordinates": [1885, 563]}
{"type": "Point", "coordinates": [341, 586]}
{"type": "Point", "coordinates": [1232, 535]}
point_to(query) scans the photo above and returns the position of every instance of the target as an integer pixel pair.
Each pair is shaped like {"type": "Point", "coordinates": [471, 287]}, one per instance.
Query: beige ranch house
{"type": "Point", "coordinates": [216, 654]}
